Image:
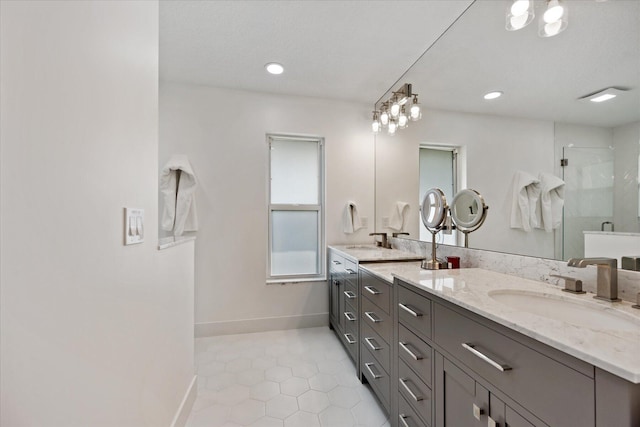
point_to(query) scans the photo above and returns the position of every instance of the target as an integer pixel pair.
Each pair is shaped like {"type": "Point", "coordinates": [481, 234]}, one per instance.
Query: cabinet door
{"type": "Point", "coordinates": [460, 401]}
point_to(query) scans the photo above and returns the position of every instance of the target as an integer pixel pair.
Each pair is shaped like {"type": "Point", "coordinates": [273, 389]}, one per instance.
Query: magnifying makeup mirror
{"type": "Point", "coordinates": [468, 212]}
{"type": "Point", "coordinates": [433, 212]}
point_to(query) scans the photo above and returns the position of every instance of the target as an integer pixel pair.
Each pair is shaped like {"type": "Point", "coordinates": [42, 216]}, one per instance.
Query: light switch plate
{"type": "Point", "coordinates": [364, 221]}
{"type": "Point", "coordinates": [133, 226]}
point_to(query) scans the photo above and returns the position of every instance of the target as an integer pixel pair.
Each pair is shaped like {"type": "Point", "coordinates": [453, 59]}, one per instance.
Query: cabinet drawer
{"type": "Point", "coordinates": [378, 348]}
{"type": "Point", "coordinates": [415, 391]}
{"type": "Point", "coordinates": [414, 311]}
{"type": "Point", "coordinates": [350, 338]}
{"type": "Point", "coordinates": [416, 353]}
{"type": "Point", "coordinates": [377, 319]}
{"type": "Point", "coordinates": [407, 416]}
{"type": "Point", "coordinates": [376, 376]}
{"type": "Point", "coordinates": [350, 293]}
{"type": "Point", "coordinates": [552, 391]}
{"type": "Point", "coordinates": [351, 271]}
{"type": "Point", "coordinates": [377, 290]}
{"type": "Point", "coordinates": [336, 262]}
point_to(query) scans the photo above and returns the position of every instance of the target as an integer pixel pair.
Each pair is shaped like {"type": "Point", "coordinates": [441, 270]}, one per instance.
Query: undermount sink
{"type": "Point", "coordinates": [364, 247]}
{"type": "Point", "coordinates": [586, 314]}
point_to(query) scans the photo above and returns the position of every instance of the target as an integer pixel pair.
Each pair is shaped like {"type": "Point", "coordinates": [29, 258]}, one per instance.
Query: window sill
{"type": "Point", "coordinates": [294, 280]}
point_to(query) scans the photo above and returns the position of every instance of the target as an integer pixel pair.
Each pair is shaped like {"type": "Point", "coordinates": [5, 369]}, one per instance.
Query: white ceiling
{"type": "Point", "coordinates": [357, 50]}
{"type": "Point", "coordinates": [351, 50]}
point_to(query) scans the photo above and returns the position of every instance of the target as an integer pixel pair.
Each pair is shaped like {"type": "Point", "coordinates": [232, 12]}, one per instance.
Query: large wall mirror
{"type": "Point", "coordinates": [538, 121]}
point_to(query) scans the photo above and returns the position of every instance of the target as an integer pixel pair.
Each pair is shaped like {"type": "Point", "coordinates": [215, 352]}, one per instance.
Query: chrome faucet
{"type": "Point", "coordinates": [383, 243]}
{"type": "Point", "coordinates": [607, 279]}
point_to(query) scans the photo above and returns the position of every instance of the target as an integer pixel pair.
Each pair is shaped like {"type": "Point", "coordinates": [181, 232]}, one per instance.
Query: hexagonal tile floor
{"type": "Point", "coordinates": [293, 378]}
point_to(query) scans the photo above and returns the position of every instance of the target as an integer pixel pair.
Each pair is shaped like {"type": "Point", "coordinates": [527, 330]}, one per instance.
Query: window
{"type": "Point", "coordinates": [296, 199]}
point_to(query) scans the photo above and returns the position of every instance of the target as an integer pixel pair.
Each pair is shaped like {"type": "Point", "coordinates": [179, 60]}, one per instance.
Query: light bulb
{"type": "Point", "coordinates": [395, 109]}
{"type": "Point", "coordinates": [403, 120]}
{"type": "Point", "coordinates": [384, 118]}
{"type": "Point", "coordinates": [554, 12]}
{"type": "Point", "coordinates": [415, 112]}
{"type": "Point", "coordinates": [519, 7]}
{"type": "Point", "coordinates": [393, 126]}
{"type": "Point", "coordinates": [552, 28]}
{"type": "Point", "coordinates": [375, 126]}
{"type": "Point", "coordinates": [518, 22]}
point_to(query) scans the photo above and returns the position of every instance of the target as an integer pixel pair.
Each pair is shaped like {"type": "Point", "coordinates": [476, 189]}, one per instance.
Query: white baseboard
{"type": "Point", "coordinates": [230, 327]}
{"type": "Point", "coordinates": [182, 414]}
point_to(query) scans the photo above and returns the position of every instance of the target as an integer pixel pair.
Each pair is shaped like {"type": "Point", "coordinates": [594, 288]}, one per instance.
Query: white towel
{"type": "Point", "coordinates": [350, 218]}
{"type": "Point", "coordinates": [179, 213]}
{"type": "Point", "coordinates": [551, 202]}
{"type": "Point", "coordinates": [396, 222]}
{"type": "Point", "coordinates": [526, 192]}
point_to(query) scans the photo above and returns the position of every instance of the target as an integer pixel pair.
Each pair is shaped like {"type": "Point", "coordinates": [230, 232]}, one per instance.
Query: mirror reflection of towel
{"type": "Point", "coordinates": [526, 192]}
{"type": "Point", "coordinates": [396, 222]}
{"type": "Point", "coordinates": [549, 211]}
{"type": "Point", "coordinates": [350, 218]}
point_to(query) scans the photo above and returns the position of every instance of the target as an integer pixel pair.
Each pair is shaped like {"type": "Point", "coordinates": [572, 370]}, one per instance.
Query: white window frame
{"type": "Point", "coordinates": [319, 208]}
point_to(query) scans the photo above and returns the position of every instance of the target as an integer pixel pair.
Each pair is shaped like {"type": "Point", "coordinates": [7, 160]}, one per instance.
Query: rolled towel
{"type": "Point", "coordinates": [350, 218]}
{"type": "Point", "coordinates": [551, 201]}
{"type": "Point", "coordinates": [396, 222]}
{"type": "Point", "coordinates": [526, 192]}
{"type": "Point", "coordinates": [178, 185]}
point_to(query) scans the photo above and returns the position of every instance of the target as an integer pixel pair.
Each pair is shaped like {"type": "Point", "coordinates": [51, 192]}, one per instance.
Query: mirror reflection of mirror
{"type": "Point", "coordinates": [538, 116]}
{"type": "Point", "coordinates": [468, 212]}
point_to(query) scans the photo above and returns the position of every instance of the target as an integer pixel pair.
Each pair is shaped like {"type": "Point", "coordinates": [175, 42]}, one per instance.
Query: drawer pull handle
{"type": "Point", "coordinates": [350, 271]}
{"type": "Point", "coordinates": [349, 338]}
{"type": "Point", "coordinates": [409, 310]}
{"type": "Point", "coordinates": [375, 376]}
{"type": "Point", "coordinates": [403, 420]}
{"type": "Point", "coordinates": [349, 294]}
{"type": "Point", "coordinates": [370, 315]}
{"type": "Point", "coordinates": [336, 262]}
{"type": "Point", "coordinates": [336, 282]}
{"type": "Point", "coordinates": [373, 344]}
{"type": "Point", "coordinates": [350, 316]}
{"type": "Point", "coordinates": [415, 397]}
{"type": "Point", "coordinates": [372, 290]}
{"type": "Point", "coordinates": [406, 348]}
{"type": "Point", "coordinates": [487, 359]}
{"type": "Point", "coordinates": [492, 423]}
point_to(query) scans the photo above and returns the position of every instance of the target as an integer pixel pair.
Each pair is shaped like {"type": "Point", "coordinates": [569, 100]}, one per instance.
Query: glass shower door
{"type": "Point", "coordinates": [588, 174]}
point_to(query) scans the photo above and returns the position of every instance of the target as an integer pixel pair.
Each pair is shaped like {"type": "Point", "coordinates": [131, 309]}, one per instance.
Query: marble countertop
{"type": "Point", "coordinates": [615, 351]}
{"type": "Point", "coordinates": [612, 233]}
{"type": "Point", "coordinates": [372, 253]}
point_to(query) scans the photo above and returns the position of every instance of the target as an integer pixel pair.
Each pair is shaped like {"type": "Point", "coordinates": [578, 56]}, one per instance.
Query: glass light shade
{"type": "Point", "coordinates": [375, 126]}
{"type": "Point", "coordinates": [518, 7]}
{"type": "Point", "coordinates": [384, 118]}
{"type": "Point", "coordinates": [393, 127]}
{"type": "Point", "coordinates": [520, 13]}
{"type": "Point", "coordinates": [415, 112]}
{"type": "Point", "coordinates": [395, 109]}
{"type": "Point", "coordinates": [403, 120]}
{"type": "Point", "coordinates": [555, 11]}
{"type": "Point", "coordinates": [550, 29]}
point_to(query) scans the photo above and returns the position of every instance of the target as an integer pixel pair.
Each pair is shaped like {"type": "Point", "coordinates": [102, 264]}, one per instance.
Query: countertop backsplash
{"type": "Point", "coordinates": [526, 267]}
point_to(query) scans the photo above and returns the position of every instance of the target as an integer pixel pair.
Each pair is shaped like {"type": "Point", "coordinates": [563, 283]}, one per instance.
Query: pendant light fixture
{"type": "Point", "coordinates": [375, 124]}
{"type": "Point", "coordinates": [554, 20]}
{"type": "Point", "coordinates": [519, 14]}
{"type": "Point", "coordinates": [392, 113]}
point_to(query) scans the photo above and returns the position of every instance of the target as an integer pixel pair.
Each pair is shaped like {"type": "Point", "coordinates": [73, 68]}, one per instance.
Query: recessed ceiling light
{"type": "Point", "coordinates": [602, 95]}
{"type": "Point", "coordinates": [493, 95]}
{"type": "Point", "coordinates": [274, 68]}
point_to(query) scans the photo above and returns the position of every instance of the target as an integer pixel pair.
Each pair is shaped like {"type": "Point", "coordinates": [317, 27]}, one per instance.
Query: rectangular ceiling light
{"type": "Point", "coordinates": [602, 95]}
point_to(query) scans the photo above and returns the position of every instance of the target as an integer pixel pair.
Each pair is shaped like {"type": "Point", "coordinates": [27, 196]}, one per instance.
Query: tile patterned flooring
{"type": "Point", "coordinates": [292, 378]}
